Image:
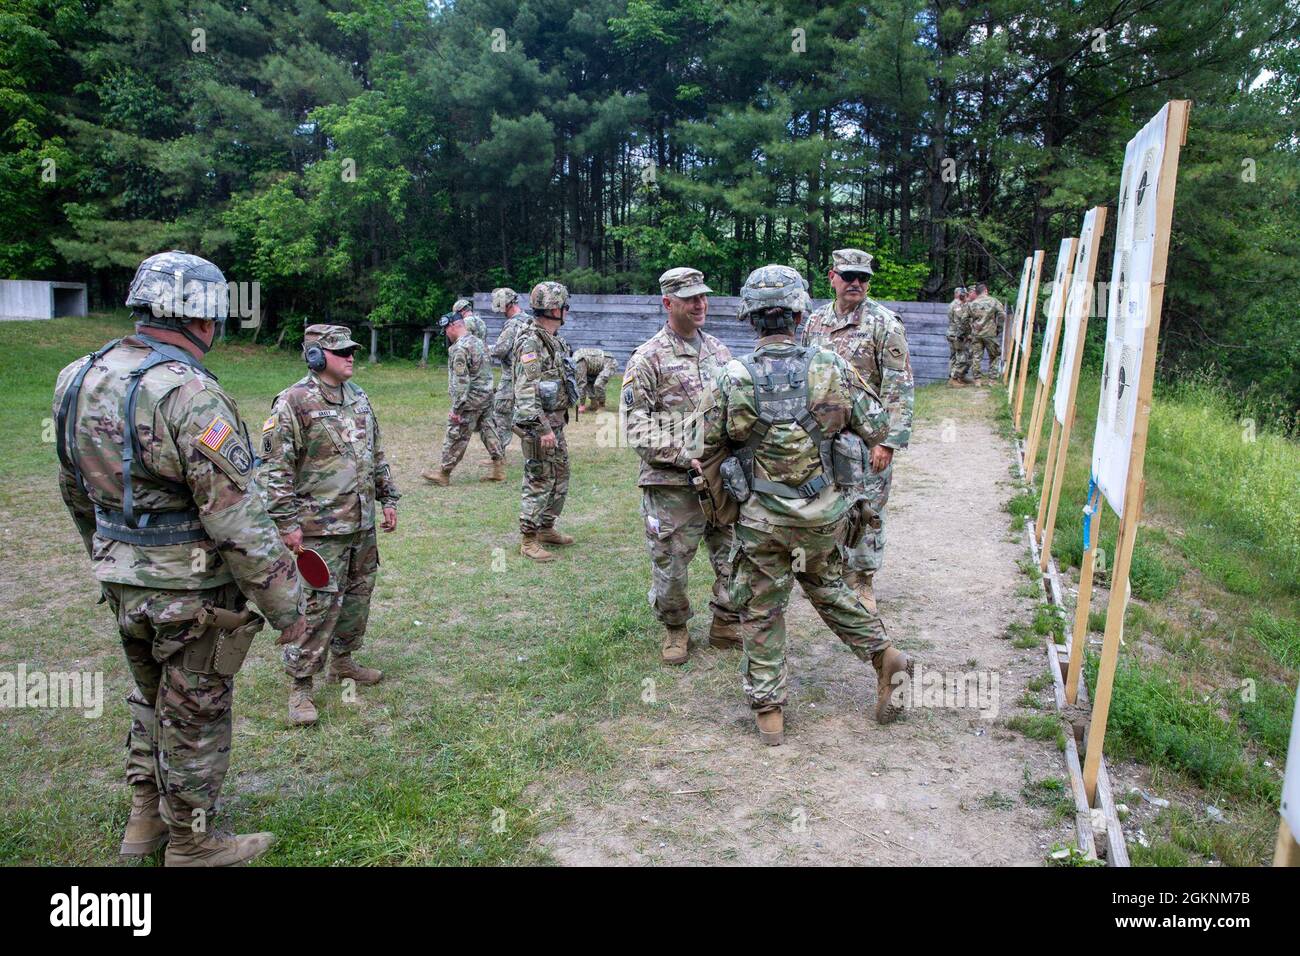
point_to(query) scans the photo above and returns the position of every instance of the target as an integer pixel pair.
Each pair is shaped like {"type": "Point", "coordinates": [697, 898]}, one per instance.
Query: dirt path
{"type": "Point", "coordinates": [694, 786]}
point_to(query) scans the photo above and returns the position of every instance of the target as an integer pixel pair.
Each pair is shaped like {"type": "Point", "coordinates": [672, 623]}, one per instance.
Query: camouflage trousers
{"type": "Point", "coordinates": [180, 719]}
{"type": "Point", "coordinates": [337, 613]}
{"type": "Point", "coordinates": [546, 483]}
{"type": "Point", "coordinates": [482, 421]}
{"type": "Point", "coordinates": [674, 527]}
{"type": "Point", "coordinates": [592, 382]}
{"type": "Point", "coordinates": [503, 410]}
{"type": "Point", "coordinates": [867, 553]}
{"type": "Point", "coordinates": [959, 356]}
{"type": "Point", "coordinates": [766, 565]}
{"type": "Point", "coordinates": [981, 344]}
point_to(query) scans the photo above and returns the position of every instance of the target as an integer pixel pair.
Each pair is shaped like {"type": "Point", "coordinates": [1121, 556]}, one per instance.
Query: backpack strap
{"type": "Point", "coordinates": [766, 392]}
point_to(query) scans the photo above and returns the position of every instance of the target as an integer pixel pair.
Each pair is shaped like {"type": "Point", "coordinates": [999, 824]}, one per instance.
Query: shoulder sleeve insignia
{"type": "Point", "coordinates": [269, 424]}
{"type": "Point", "coordinates": [528, 357]}
{"type": "Point", "coordinates": [215, 435]}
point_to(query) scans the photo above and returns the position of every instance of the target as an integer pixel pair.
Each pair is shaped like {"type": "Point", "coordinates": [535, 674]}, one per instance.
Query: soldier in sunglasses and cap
{"type": "Point", "coordinates": [871, 339]}
{"type": "Point", "coordinates": [323, 471]}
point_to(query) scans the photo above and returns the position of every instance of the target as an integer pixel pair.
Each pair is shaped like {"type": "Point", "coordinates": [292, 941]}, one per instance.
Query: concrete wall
{"type": "Point", "coordinates": [40, 299]}
{"type": "Point", "coordinates": [619, 323]}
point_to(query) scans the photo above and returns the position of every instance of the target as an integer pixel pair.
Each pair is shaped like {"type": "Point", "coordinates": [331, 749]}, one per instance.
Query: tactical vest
{"type": "Point", "coordinates": [131, 525]}
{"type": "Point", "coordinates": [780, 397]}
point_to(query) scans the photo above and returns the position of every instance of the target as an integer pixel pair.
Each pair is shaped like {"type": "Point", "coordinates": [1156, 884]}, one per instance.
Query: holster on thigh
{"type": "Point", "coordinates": [227, 637]}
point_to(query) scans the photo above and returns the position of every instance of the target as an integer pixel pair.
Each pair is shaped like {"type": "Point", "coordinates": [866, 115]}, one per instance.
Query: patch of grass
{"type": "Point", "coordinates": [1048, 619]}
{"type": "Point", "coordinates": [1030, 700]}
{"type": "Point", "coordinates": [1097, 622]}
{"type": "Point", "coordinates": [1151, 577]}
{"type": "Point", "coordinates": [1026, 641]}
{"type": "Point", "coordinates": [1041, 682]}
{"type": "Point", "coordinates": [1022, 507]}
{"type": "Point", "coordinates": [1267, 718]}
{"type": "Point", "coordinates": [1159, 853]}
{"type": "Point", "coordinates": [1035, 726]}
{"type": "Point", "coordinates": [1281, 637]}
{"type": "Point", "coordinates": [1052, 793]}
{"type": "Point", "coordinates": [997, 801]}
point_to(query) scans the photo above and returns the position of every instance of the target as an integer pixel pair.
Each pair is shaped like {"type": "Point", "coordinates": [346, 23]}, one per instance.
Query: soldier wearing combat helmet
{"type": "Point", "coordinates": [662, 387]}
{"type": "Point", "coordinates": [156, 469]}
{"type": "Point", "coordinates": [871, 339]}
{"type": "Point", "coordinates": [958, 339]}
{"type": "Point", "coordinates": [476, 326]}
{"type": "Point", "coordinates": [987, 317]}
{"type": "Point", "coordinates": [798, 421]}
{"type": "Point", "coordinates": [469, 386]}
{"type": "Point", "coordinates": [545, 389]}
{"type": "Point", "coordinates": [324, 470]}
{"type": "Point", "coordinates": [506, 301]}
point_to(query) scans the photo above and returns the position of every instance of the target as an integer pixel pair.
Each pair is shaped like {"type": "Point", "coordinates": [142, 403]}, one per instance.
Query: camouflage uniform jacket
{"type": "Point", "coordinates": [839, 399]}
{"type": "Point", "coordinates": [503, 350]}
{"type": "Point", "coordinates": [469, 374]}
{"type": "Point", "coordinates": [323, 461]}
{"type": "Point", "coordinates": [194, 454]}
{"type": "Point", "coordinates": [595, 358]}
{"type": "Point", "coordinates": [957, 316]}
{"type": "Point", "coordinates": [872, 339]}
{"type": "Point", "coordinates": [538, 357]}
{"type": "Point", "coordinates": [662, 386]}
{"type": "Point", "coordinates": [987, 315]}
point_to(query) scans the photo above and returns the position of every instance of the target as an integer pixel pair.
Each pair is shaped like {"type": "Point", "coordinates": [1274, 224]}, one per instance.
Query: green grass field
{"type": "Point", "coordinates": [1207, 676]}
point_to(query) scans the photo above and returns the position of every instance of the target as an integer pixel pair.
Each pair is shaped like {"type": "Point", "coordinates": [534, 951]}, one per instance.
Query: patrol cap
{"type": "Point", "coordinates": [462, 304]}
{"type": "Point", "coordinates": [683, 282]}
{"type": "Point", "coordinates": [335, 338]}
{"type": "Point", "coordinates": [852, 260]}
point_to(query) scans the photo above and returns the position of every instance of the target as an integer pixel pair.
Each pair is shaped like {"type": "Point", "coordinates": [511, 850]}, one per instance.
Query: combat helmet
{"type": "Point", "coordinates": [772, 287]}
{"type": "Point", "coordinates": [548, 295]}
{"type": "Point", "coordinates": [172, 289]}
{"type": "Point", "coordinates": [501, 298]}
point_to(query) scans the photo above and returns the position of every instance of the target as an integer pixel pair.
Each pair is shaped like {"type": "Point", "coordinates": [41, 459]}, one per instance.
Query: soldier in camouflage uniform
{"type": "Point", "coordinates": [323, 469]}
{"type": "Point", "coordinates": [871, 339]}
{"type": "Point", "coordinates": [799, 421]}
{"type": "Point", "coordinates": [469, 385]}
{"type": "Point", "coordinates": [506, 301]}
{"type": "Point", "coordinates": [164, 499]}
{"type": "Point", "coordinates": [959, 344]}
{"type": "Point", "coordinates": [476, 326]}
{"type": "Point", "coordinates": [662, 386]}
{"type": "Point", "coordinates": [987, 317]}
{"type": "Point", "coordinates": [544, 390]}
{"type": "Point", "coordinates": [594, 368]}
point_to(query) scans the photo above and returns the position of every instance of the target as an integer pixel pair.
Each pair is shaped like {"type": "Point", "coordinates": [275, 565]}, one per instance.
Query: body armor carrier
{"type": "Point", "coordinates": [148, 528]}
{"type": "Point", "coordinates": [781, 396]}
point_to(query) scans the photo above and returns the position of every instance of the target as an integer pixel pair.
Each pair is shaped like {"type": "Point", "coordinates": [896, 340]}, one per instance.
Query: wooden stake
{"type": "Point", "coordinates": [1083, 605]}
{"type": "Point", "coordinates": [1287, 852]}
{"type": "Point", "coordinates": [1053, 442]}
{"type": "Point", "coordinates": [1043, 388]}
{"type": "Point", "coordinates": [1027, 332]}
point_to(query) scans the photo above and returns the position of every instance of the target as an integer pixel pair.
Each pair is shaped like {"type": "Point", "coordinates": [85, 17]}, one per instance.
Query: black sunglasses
{"type": "Point", "coordinates": [342, 353]}
{"type": "Point", "coordinates": [854, 276]}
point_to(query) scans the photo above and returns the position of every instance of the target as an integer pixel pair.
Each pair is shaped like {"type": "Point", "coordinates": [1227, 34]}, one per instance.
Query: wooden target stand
{"type": "Point", "coordinates": [1047, 368]}
{"type": "Point", "coordinates": [1011, 328]}
{"type": "Point", "coordinates": [1058, 443]}
{"type": "Point", "coordinates": [1026, 349]}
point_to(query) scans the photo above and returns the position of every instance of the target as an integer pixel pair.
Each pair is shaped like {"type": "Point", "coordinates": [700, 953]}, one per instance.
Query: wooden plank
{"type": "Point", "coordinates": [1031, 309]}
{"type": "Point", "coordinates": [1116, 850]}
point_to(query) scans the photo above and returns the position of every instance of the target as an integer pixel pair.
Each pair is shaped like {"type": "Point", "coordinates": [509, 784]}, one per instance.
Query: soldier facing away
{"type": "Point", "coordinates": [506, 301]}
{"type": "Point", "coordinates": [157, 471]}
{"type": "Point", "coordinates": [662, 387]}
{"type": "Point", "coordinates": [469, 385]}
{"type": "Point", "coordinates": [959, 344]}
{"type": "Point", "coordinates": [871, 339]}
{"type": "Point", "coordinates": [593, 367]}
{"type": "Point", "coordinates": [323, 470]}
{"type": "Point", "coordinates": [465, 309]}
{"type": "Point", "coordinates": [544, 391]}
{"type": "Point", "coordinates": [799, 421]}
{"type": "Point", "coordinates": [987, 317]}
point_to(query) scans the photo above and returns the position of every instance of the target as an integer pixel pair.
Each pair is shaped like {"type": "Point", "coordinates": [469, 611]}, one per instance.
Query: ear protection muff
{"type": "Point", "coordinates": [315, 356]}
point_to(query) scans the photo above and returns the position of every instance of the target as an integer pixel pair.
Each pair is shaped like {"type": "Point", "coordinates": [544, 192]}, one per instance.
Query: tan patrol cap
{"type": "Point", "coordinates": [683, 282]}
{"type": "Point", "coordinates": [852, 260]}
{"type": "Point", "coordinates": [332, 337]}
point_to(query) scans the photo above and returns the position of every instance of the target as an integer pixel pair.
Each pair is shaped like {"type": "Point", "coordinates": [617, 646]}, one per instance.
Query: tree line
{"type": "Point", "coordinates": [371, 160]}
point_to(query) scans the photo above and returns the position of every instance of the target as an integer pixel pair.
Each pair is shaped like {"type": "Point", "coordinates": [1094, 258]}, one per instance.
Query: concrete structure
{"type": "Point", "coordinates": [39, 299]}
{"type": "Point", "coordinates": [619, 323]}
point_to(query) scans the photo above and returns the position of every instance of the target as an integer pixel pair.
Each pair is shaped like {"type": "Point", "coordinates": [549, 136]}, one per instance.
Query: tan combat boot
{"type": "Point", "coordinates": [302, 709]}
{"type": "Point", "coordinates": [956, 383]}
{"type": "Point", "coordinates": [442, 477]}
{"type": "Point", "coordinates": [887, 663]}
{"type": "Point", "coordinates": [188, 848]}
{"type": "Point", "coordinates": [551, 536]}
{"type": "Point", "coordinates": [145, 830]}
{"type": "Point", "coordinates": [498, 472]}
{"type": "Point", "coordinates": [861, 583]}
{"type": "Point", "coordinates": [771, 726]}
{"type": "Point", "coordinates": [724, 636]}
{"type": "Point", "coordinates": [676, 647]}
{"type": "Point", "coordinates": [343, 667]}
{"type": "Point", "coordinates": [531, 548]}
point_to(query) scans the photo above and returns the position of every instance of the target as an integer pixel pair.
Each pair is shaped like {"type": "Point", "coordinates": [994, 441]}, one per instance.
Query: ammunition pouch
{"type": "Point", "coordinates": [734, 480]}
{"type": "Point", "coordinates": [720, 507]}
{"type": "Point", "coordinates": [225, 642]}
{"type": "Point", "coordinates": [848, 460]}
{"type": "Point", "coordinates": [548, 396]}
{"type": "Point", "coordinates": [571, 391]}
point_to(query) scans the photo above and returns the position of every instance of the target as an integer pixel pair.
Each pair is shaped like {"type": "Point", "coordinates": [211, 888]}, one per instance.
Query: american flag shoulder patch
{"type": "Point", "coordinates": [216, 434]}
{"type": "Point", "coordinates": [269, 424]}
{"type": "Point", "coordinates": [528, 357]}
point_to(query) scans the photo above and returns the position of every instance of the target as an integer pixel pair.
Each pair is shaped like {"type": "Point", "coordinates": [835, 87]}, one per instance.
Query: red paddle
{"type": "Point", "coordinates": [313, 568]}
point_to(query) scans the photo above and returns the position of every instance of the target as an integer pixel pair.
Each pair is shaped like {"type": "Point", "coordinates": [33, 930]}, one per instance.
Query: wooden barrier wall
{"type": "Point", "coordinates": [619, 323]}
